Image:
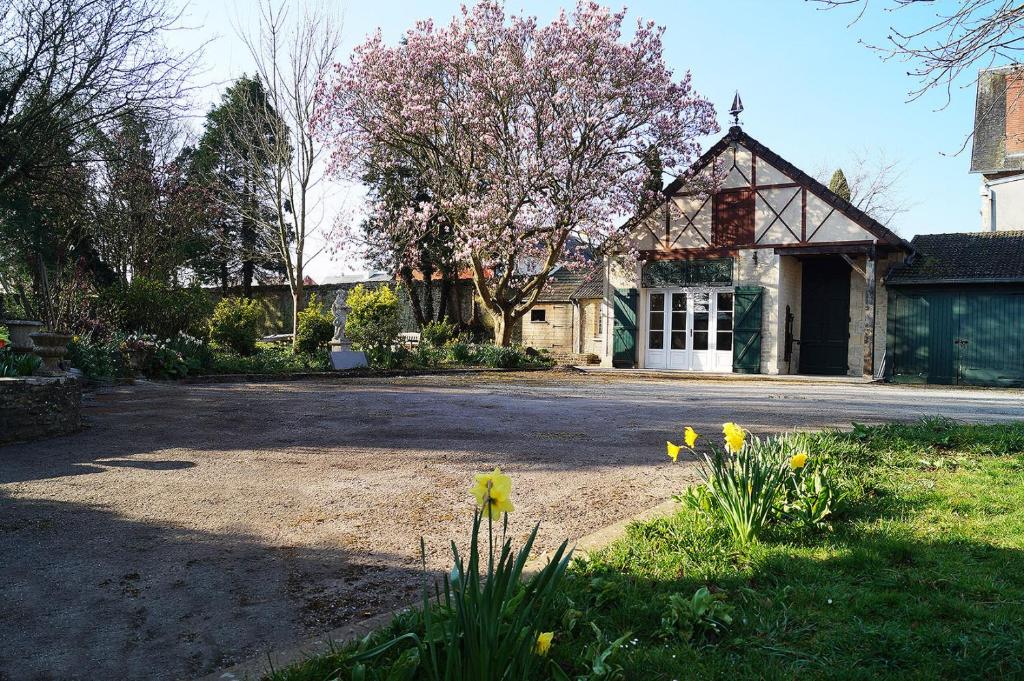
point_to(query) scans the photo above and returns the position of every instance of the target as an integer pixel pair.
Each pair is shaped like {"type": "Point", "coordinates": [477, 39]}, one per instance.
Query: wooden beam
{"type": "Point", "coordinates": [869, 313]}
{"type": "Point", "coordinates": [853, 265]}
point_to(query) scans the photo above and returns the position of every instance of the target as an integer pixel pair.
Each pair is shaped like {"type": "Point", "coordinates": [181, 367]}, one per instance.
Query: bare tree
{"type": "Point", "coordinates": [68, 67]}
{"type": "Point", "coordinates": [874, 182]}
{"type": "Point", "coordinates": [955, 38]}
{"type": "Point", "coordinates": [292, 56]}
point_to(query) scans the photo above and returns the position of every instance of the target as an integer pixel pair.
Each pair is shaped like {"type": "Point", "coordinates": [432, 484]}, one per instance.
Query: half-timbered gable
{"type": "Point", "coordinates": [767, 271]}
{"type": "Point", "coordinates": [760, 201]}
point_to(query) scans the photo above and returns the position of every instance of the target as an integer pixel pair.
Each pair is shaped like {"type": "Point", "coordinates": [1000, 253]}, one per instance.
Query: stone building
{"type": "Point", "coordinates": [567, 320]}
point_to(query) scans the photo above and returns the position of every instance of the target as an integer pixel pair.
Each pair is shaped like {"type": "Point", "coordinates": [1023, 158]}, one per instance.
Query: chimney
{"type": "Point", "coordinates": [1015, 112]}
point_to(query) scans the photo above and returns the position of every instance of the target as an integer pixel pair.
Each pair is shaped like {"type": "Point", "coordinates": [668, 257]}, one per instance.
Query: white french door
{"type": "Point", "coordinates": [689, 329]}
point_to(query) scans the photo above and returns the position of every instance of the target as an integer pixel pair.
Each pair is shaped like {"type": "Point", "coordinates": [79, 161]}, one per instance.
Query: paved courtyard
{"type": "Point", "coordinates": [193, 526]}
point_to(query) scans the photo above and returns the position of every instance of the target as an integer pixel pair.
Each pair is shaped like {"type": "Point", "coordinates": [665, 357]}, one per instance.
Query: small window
{"type": "Point", "coordinates": [538, 315]}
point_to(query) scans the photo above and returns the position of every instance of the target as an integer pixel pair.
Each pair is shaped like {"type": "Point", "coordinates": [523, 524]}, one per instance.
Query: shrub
{"type": "Point", "coordinates": [438, 333]}
{"type": "Point", "coordinates": [236, 324]}
{"type": "Point", "coordinates": [315, 327]}
{"type": "Point", "coordinates": [510, 357]}
{"type": "Point", "coordinates": [154, 308]}
{"type": "Point", "coordinates": [459, 353]}
{"type": "Point", "coordinates": [269, 358]}
{"type": "Point", "coordinates": [372, 323]}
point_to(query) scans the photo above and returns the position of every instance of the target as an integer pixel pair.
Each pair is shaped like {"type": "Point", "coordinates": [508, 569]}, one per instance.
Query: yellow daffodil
{"type": "Point", "coordinates": [735, 437]}
{"type": "Point", "coordinates": [493, 492]}
{"type": "Point", "coordinates": [673, 450]}
{"type": "Point", "coordinates": [691, 437]}
{"type": "Point", "coordinates": [798, 460]}
{"type": "Point", "coordinates": [543, 644]}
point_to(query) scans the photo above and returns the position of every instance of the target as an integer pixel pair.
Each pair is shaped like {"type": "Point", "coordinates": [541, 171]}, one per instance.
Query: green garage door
{"type": "Point", "coordinates": [963, 336]}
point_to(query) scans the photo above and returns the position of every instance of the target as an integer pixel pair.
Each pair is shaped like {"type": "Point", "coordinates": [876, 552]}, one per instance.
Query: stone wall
{"type": "Point", "coordinates": [33, 408]}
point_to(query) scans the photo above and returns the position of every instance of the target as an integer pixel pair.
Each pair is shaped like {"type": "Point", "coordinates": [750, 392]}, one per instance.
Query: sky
{"type": "Point", "coordinates": [812, 92]}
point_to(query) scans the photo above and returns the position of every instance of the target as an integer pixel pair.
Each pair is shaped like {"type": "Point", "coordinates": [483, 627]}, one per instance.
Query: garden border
{"type": "Point", "coordinates": [255, 668]}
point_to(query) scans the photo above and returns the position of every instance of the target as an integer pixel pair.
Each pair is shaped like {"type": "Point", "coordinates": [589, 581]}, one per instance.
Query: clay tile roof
{"type": "Point", "coordinates": [973, 257]}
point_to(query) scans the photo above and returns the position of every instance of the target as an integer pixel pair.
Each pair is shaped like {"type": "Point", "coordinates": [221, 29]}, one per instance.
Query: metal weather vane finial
{"type": "Point", "coordinates": [737, 108]}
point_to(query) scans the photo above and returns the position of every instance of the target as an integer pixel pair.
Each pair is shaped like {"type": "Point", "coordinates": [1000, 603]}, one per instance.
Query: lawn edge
{"type": "Point", "coordinates": [255, 667]}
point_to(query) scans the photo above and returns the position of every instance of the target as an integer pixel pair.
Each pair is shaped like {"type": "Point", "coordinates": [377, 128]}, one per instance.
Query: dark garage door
{"type": "Point", "coordinates": [957, 336]}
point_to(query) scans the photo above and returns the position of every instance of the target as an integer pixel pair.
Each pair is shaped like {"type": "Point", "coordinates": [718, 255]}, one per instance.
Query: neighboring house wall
{"type": "Point", "coordinates": [555, 333]}
{"type": "Point", "coordinates": [1002, 204]}
{"type": "Point", "coordinates": [591, 327]}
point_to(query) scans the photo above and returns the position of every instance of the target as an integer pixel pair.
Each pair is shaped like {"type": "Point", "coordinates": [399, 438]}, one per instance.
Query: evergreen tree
{"type": "Point", "coordinates": [839, 186]}
{"type": "Point", "coordinates": [241, 254]}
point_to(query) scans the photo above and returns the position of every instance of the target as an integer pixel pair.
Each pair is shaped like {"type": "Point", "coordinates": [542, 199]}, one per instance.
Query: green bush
{"type": "Point", "coordinates": [154, 308]}
{"type": "Point", "coordinates": [315, 327]}
{"type": "Point", "coordinates": [236, 324]}
{"type": "Point", "coordinates": [438, 333]}
{"type": "Point", "coordinates": [459, 353]}
{"type": "Point", "coordinates": [372, 323]}
{"type": "Point", "coordinates": [269, 358]}
{"type": "Point", "coordinates": [510, 357]}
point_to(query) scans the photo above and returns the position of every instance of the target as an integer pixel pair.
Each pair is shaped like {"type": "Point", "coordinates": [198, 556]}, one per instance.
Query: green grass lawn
{"type": "Point", "coordinates": [921, 576]}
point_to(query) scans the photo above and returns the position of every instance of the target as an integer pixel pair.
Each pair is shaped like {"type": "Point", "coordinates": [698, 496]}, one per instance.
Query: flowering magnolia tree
{"type": "Point", "coordinates": [528, 141]}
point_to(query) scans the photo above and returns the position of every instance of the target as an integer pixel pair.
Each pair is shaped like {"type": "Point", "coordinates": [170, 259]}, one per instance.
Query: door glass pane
{"type": "Point", "coordinates": [701, 319]}
{"type": "Point", "coordinates": [723, 339]}
{"type": "Point", "coordinates": [678, 321]}
{"type": "Point", "coordinates": [656, 319]}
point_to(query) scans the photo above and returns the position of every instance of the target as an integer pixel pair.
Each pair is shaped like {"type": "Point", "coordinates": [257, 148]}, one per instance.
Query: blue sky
{"type": "Point", "coordinates": [812, 93]}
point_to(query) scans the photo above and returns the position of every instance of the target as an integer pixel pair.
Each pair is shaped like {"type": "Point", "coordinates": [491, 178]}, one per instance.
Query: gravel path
{"type": "Point", "coordinates": [193, 526]}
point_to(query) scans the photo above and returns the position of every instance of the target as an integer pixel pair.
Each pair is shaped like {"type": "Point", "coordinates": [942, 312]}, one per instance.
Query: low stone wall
{"type": "Point", "coordinates": [33, 408]}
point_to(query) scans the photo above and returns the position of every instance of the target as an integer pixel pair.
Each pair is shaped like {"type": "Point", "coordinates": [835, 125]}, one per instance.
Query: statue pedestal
{"type": "Point", "coordinates": [344, 357]}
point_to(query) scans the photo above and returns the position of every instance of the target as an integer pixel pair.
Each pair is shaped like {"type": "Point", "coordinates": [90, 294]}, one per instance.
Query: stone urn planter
{"type": "Point", "coordinates": [51, 348]}
{"type": "Point", "coordinates": [21, 332]}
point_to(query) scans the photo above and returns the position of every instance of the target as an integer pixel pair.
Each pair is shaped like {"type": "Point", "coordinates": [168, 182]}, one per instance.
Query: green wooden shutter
{"type": "Point", "coordinates": [746, 347]}
{"type": "Point", "coordinates": [624, 331]}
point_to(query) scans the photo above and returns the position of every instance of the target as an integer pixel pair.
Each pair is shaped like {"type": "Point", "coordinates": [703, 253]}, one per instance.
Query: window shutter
{"type": "Point", "coordinates": [624, 330]}
{"type": "Point", "coordinates": [746, 347]}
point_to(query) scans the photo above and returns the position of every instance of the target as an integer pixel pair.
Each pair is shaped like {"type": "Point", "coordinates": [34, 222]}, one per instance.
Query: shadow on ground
{"type": "Point", "coordinates": [139, 600]}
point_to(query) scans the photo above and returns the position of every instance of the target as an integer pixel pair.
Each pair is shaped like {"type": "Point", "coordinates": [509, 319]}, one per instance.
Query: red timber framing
{"type": "Point", "coordinates": [732, 205]}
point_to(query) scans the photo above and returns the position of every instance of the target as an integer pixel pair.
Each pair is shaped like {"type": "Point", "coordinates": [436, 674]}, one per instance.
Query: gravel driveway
{"type": "Point", "coordinates": [193, 526]}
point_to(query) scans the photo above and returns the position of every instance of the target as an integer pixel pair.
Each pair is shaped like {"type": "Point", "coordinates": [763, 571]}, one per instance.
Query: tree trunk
{"type": "Point", "coordinates": [446, 291]}
{"type": "Point", "coordinates": [503, 325]}
{"type": "Point", "coordinates": [298, 305]}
